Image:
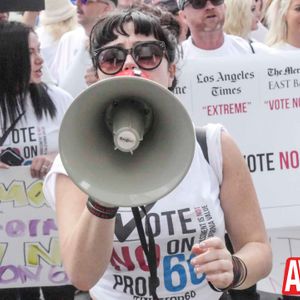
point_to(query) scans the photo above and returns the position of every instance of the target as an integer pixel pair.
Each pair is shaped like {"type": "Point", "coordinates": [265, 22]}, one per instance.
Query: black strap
{"type": "Point", "coordinates": [201, 138]}
{"type": "Point", "coordinates": [8, 131]}
{"type": "Point", "coordinates": [251, 46]}
{"type": "Point", "coordinates": [149, 249]}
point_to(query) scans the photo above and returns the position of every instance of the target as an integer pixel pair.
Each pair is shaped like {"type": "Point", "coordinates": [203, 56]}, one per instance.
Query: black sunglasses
{"type": "Point", "coordinates": [147, 55]}
{"type": "Point", "coordinates": [198, 4]}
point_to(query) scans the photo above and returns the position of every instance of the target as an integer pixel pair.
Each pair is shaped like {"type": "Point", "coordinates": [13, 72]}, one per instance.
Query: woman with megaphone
{"type": "Point", "coordinates": [140, 212]}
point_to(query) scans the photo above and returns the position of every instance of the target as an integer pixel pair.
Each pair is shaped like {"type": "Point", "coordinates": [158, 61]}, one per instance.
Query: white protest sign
{"type": "Point", "coordinates": [257, 98]}
{"type": "Point", "coordinates": [29, 247]}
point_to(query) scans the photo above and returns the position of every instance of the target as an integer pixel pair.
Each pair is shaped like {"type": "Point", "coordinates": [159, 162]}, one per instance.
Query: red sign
{"type": "Point", "coordinates": [291, 280]}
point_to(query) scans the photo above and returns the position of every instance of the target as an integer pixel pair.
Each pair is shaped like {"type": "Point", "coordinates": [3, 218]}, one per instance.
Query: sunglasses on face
{"type": "Point", "coordinates": [147, 55]}
{"type": "Point", "coordinates": [199, 4]}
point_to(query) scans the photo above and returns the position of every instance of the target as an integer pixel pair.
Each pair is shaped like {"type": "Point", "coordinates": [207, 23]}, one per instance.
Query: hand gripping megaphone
{"type": "Point", "coordinates": [126, 141]}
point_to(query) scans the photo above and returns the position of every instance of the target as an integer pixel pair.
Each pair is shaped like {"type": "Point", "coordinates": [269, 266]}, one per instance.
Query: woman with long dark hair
{"type": "Point", "coordinates": [30, 115]}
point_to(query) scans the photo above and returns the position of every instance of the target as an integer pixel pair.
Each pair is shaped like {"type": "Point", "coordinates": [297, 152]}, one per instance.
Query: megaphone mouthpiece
{"type": "Point", "coordinates": [129, 121]}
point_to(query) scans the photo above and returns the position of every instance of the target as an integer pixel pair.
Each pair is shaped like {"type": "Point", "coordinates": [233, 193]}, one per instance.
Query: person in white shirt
{"type": "Point", "coordinates": [100, 245]}
{"type": "Point", "coordinates": [205, 20]}
{"type": "Point", "coordinates": [241, 19]}
{"type": "Point", "coordinates": [283, 19]}
{"type": "Point", "coordinates": [259, 33]}
{"type": "Point", "coordinates": [58, 18]}
{"type": "Point", "coordinates": [36, 109]}
{"type": "Point", "coordinates": [72, 60]}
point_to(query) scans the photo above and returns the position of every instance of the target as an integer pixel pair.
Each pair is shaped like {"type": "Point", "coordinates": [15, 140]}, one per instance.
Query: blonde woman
{"type": "Point", "coordinates": [283, 18]}
{"type": "Point", "coordinates": [241, 17]}
{"type": "Point", "coordinates": [58, 18]}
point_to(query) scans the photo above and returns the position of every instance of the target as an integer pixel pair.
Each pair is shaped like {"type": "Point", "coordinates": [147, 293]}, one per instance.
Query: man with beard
{"type": "Point", "coordinates": [205, 20]}
{"type": "Point", "coordinates": [72, 65]}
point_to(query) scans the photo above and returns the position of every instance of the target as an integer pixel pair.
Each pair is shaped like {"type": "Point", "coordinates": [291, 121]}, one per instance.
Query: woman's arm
{"type": "Point", "coordinates": [243, 222]}
{"type": "Point", "coordinates": [85, 240]}
{"type": "Point", "coordinates": [243, 218]}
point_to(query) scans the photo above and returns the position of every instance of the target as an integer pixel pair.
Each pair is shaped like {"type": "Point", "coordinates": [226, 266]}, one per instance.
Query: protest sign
{"type": "Point", "coordinates": [257, 98]}
{"type": "Point", "coordinates": [29, 246]}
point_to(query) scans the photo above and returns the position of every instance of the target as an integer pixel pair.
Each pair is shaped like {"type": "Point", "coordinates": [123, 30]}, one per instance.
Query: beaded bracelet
{"type": "Point", "coordinates": [101, 211]}
{"type": "Point", "coordinates": [239, 275]}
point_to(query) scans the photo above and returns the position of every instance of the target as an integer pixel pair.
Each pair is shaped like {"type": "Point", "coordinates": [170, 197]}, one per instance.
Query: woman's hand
{"type": "Point", "coordinates": [213, 259]}
{"type": "Point", "coordinates": [41, 165]}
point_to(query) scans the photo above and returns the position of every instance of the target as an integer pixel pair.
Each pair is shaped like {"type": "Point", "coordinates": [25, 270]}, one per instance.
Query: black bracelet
{"type": "Point", "coordinates": [101, 211]}
{"type": "Point", "coordinates": [239, 275]}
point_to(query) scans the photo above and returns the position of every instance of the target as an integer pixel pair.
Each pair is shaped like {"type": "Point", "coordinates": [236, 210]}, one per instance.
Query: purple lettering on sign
{"type": "Point", "coordinates": [11, 273]}
{"type": "Point", "coordinates": [15, 228]}
{"type": "Point", "coordinates": [8, 274]}
{"type": "Point", "coordinates": [57, 277]}
{"type": "Point", "coordinates": [49, 225]}
{"type": "Point", "coordinates": [33, 227]}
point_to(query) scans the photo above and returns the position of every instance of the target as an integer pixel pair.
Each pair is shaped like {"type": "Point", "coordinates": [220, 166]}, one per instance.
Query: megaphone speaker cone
{"type": "Point", "coordinates": [127, 178]}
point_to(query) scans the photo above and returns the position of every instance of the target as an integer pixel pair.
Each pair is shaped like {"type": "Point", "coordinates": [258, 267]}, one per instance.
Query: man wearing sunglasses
{"type": "Point", "coordinates": [72, 66]}
{"type": "Point", "coordinates": [205, 19]}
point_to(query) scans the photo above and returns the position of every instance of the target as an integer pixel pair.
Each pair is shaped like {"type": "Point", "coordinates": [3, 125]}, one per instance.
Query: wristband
{"type": "Point", "coordinates": [239, 275]}
{"type": "Point", "coordinates": [101, 211]}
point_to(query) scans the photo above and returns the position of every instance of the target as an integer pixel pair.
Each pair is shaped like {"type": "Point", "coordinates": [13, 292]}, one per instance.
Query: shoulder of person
{"type": "Point", "coordinates": [76, 33]}
{"type": "Point", "coordinates": [283, 46]}
{"type": "Point", "coordinates": [186, 42]}
{"type": "Point", "coordinates": [236, 39]}
{"type": "Point", "coordinates": [262, 48]}
{"type": "Point", "coordinates": [213, 132]}
{"type": "Point", "coordinates": [59, 95]}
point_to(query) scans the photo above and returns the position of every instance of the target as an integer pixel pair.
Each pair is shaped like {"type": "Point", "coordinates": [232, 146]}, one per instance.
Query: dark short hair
{"type": "Point", "coordinates": [169, 5]}
{"type": "Point", "coordinates": [144, 23]}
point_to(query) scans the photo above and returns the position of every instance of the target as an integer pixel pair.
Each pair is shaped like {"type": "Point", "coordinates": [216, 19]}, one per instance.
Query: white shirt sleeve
{"type": "Point", "coordinates": [49, 185]}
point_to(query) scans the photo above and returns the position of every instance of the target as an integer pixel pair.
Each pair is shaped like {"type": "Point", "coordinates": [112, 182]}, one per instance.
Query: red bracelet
{"type": "Point", "coordinates": [101, 211]}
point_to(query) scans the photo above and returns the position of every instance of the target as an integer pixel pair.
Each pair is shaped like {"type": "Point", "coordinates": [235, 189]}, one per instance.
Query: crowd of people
{"type": "Point", "coordinates": [50, 57]}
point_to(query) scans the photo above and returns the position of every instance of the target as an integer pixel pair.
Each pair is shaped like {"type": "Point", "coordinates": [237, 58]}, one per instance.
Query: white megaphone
{"type": "Point", "coordinates": [126, 141]}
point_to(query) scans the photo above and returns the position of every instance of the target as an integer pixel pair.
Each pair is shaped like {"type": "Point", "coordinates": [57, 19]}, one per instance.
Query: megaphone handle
{"type": "Point", "coordinates": [149, 251]}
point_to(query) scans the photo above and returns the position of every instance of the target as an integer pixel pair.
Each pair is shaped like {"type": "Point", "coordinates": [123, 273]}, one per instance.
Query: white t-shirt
{"type": "Point", "coordinates": [48, 45]}
{"type": "Point", "coordinates": [73, 81]}
{"type": "Point", "coordinates": [189, 214]}
{"type": "Point", "coordinates": [233, 45]}
{"type": "Point", "coordinates": [32, 137]}
{"type": "Point", "coordinates": [260, 34]}
{"type": "Point", "coordinates": [68, 47]}
{"type": "Point", "coordinates": [285, 47]}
